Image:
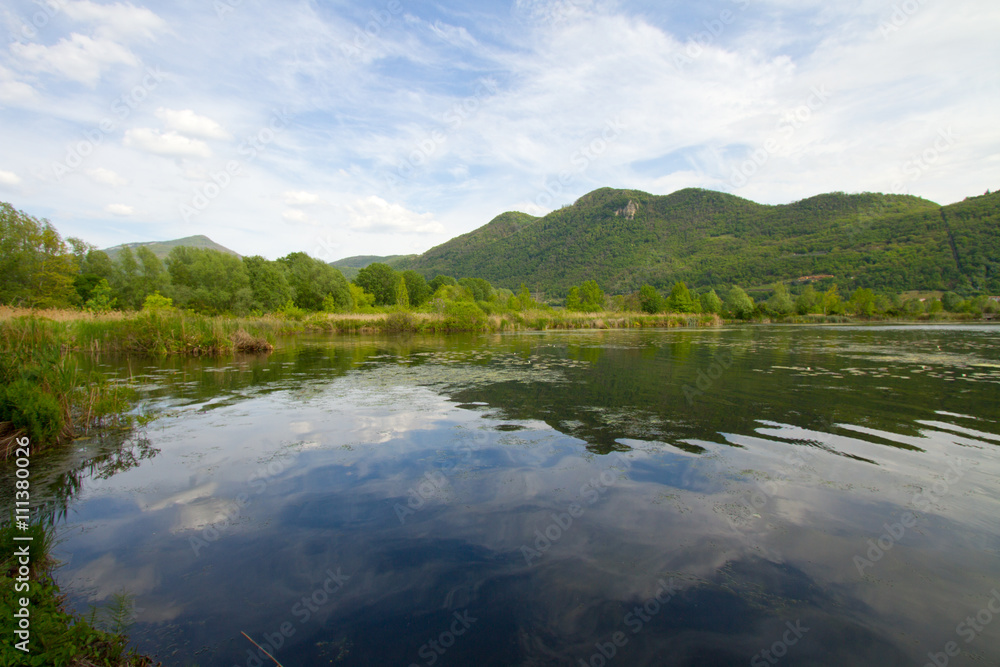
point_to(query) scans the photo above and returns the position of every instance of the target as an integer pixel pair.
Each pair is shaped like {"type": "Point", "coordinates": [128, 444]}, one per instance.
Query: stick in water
{"type": "Point", "coordinates": [262, 649]}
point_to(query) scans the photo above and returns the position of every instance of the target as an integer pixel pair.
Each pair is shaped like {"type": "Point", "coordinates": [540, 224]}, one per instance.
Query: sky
{"type": "Point", "coordinates": [390, 126]}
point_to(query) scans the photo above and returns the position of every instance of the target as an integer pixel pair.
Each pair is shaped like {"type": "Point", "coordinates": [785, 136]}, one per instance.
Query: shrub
{"type": "Point", "coordinates": [28, 407]}
{"type": "Point", "coordinates": [464, 316]}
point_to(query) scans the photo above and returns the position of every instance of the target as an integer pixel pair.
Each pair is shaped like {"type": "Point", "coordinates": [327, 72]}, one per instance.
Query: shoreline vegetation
{"type": "Point", "coordinates": [58, 637]}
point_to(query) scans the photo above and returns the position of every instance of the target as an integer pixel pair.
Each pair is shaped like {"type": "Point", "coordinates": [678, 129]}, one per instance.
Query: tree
{"type": "Point", "coordinates": [808, 302]}
{"type": "Point", "coordinates": [151, 276]}
{"type": "Point", "coordinates": [780, 302]}
{"type": "Point", "coordinates": [524, 299]}
{"type": "Point", "coordinates": [862, 302]}
{"type": "Point", "coordinates": [37, 268]}
{"type": "Point", "coordinates": [831, 302]}
{"type": "Point", "coordinates": [680, 300]}
{"type": "Point", "coordinates": [479, 288]}
{"type": "Point", "coordinates": [209, 281]}
{"type": "Point", "coordinates": [418, 291]}
{"type": "Point", "coordinates": [101, 298]}
{"type": "Point", "coordinates": [711, 303]}
{"type": "Point", "coordinates": [126, 279]}
{"type": "Point", "coordinates": [268, 283]}
{"type": "Point", "coordinates": [650, 300]}
{"type": "Point", "coordinates": [402, 294]}
{"type": "Point", "coordinates": [588, 297]}
{"type": "Point", "coordinates": [315, 284]}
{"type": "Point", "coordinates": [951, 302]}
{"type": "Point", "coordinates": [440, 281]}
{"type": "Point", "coordinates": [739, 303]}
{"type": "Point", "coordinates": [380, 281]}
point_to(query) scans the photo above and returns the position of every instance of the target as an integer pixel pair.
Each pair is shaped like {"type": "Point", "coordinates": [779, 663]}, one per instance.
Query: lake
{"type": "Point", "coordinates": [754, 495]}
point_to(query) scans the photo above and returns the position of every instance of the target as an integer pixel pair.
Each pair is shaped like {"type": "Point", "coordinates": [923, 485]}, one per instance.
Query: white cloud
{"type": "Point", "coordinates": [105, 177]}
{"type": "Point", "coordinates": [301, 198]}
{"type": "Point", "coordinates": [9, 178]}
{"type": "Point", "coordinates": [120, 209]}
{"type": "Point", "coordinates": [295, 215]}
{"type": "Point", "coordinates": [169, 144]}
{"type": "Point", "coordinates": [375, 215]}
{"type": "Point", "coordinates": [13, 91]}
{"type": "Point", "coordinates": [188, 123]}
{"type": "Point", "coordinates": [79, 58]}
{"type": "Point", "coordinates": [118, 21]}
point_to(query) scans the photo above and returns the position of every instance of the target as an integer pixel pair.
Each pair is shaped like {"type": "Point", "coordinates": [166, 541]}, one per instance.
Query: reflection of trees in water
{"type": "Point", "coordinates": [58, 476]}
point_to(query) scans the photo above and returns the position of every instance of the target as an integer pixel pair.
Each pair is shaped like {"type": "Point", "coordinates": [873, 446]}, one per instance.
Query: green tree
{"type": "Point", "coordinates": [862, 302]}
{"type": "Point", "coordinates": [209, 281]}
{"type": "Point", "coordinates": [588, 297]}
{"type": "Point", "coordinates": [650, 300]}
{"type": "Point", "coordinates": [268, 283]}
{"type": "Point", "coordinates": [780, 302]}
{"type": "Point", "coordinates": [380, 281]}
{"type": "Point", "coordinates": [439, 281]}
{"type": "Point", "coordinates": [711, 303]}
{"type": "Point", "coordinates": [524, 299]}
{"type": "Point", "coordinates": [126, 279]}
{"type": "Point", "coordinates": [831, 302]}
{"type": "Point", "coordinates": [479, 288]}
{"type": "Point", "coordinates": [680, 300]}
{"type": "Point", "coordinates": [312, 281]}
{"type": "Point", "coordinates": [402, 294]}
{"type": "Point", "coordinates": [418, 291]}
{"type": "Point", "coordinates": [810, 301]}
{"type": "Point", "coordinates": [36, 266]}
{"type": "Point", "coordinates": [95, 265]}
{"type": "Point", "coordinates": [101, 298]}
{"type": "Point", "coordinates": [951, 302]}
{"type": "Point", "coordinates": [152, 277]}
{"type": "Point", "coordinates": [739, 303]}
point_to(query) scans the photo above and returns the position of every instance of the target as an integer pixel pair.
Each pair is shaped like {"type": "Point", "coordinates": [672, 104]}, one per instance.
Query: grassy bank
{"type": "Point", "coordinates": [473, 321]}
{"type": "Point", "coordinates": [57, 637]}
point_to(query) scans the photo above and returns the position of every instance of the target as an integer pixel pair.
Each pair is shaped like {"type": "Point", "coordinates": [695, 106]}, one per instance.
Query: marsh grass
{"type": "Point", "coordinates": [58, 637]}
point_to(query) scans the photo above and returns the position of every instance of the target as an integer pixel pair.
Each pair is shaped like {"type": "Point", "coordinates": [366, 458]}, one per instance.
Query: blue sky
{"type": "Point", "coordinates": [390, 126]}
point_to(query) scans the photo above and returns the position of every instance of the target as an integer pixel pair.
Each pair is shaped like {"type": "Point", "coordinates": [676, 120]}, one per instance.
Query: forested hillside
{"type": "Point", "coordinates": [162, 248]}
{"type": "Point", "coordinates": [626, 238]}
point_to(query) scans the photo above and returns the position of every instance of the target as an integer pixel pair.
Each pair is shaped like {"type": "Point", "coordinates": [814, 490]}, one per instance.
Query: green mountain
{"type": "Point", "coordinates": [350, 266]}
{"type": "Point", "coordinates": [162, 248]}
{"type": "Point", "coordinates": [624, 238]}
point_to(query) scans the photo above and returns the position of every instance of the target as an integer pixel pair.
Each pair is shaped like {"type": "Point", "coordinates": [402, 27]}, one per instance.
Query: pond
{"type": "Point", "coordinates": [737, 496]}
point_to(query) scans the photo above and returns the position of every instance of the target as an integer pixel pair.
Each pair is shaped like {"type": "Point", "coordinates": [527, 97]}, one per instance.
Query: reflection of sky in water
{"type": "Point", "coordinates": [429, 472]}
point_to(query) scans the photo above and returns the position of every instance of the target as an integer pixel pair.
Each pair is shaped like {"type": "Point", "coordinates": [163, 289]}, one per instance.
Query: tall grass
{"type": "Point", "coordinates": [58, 637]}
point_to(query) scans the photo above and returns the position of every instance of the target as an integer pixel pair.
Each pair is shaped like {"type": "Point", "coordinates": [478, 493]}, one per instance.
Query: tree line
{"type": "Point", "coordinates": [40, 269]}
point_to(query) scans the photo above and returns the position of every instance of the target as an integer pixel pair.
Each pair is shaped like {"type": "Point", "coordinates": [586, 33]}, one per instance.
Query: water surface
{"type": "Point", "coordinates": [828, 495]}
